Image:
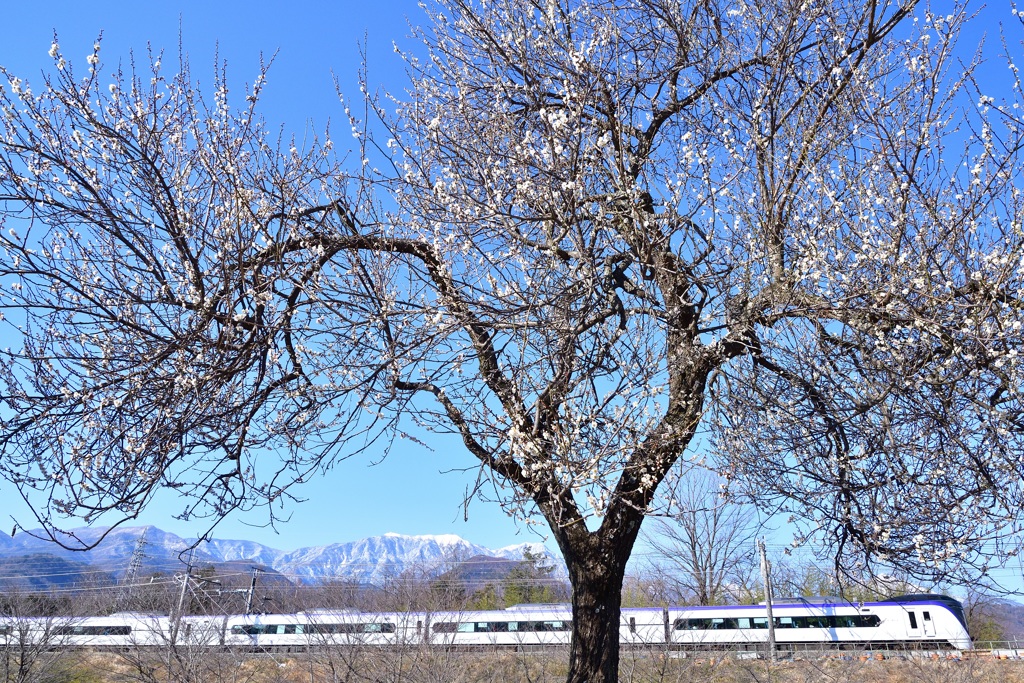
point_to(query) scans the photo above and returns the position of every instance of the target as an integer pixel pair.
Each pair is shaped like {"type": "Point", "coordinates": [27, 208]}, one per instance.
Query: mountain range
{"type": "Point", "coordinates": [368, 560]}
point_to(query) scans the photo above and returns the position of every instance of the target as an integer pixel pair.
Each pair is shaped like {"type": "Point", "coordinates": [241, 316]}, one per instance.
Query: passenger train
{"type": "Point", "coordinates": [922, 621]}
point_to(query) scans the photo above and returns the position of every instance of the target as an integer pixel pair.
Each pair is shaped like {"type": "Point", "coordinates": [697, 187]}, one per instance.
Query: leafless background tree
{"type": "Point", "coordinates": [586, 233]}
{"type": "Point", "coordinates": [32, 648]}
{"type": "Point", "coordinates": [706, 546]}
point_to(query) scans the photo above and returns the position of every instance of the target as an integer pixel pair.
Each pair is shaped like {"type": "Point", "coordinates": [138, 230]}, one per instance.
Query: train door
{"type": "Point", "coordinates": [915, 624]}
{"type": "Point", "coordinates": [927, 624]}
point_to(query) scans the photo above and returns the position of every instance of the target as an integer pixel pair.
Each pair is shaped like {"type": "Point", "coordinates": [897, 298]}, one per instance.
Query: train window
{"type": "Point", "coordinates": [705, 624]}
{"type": "Point", "coordinates": [927, 616]}
{"type": "Point", "coordinates": [693, 624]}
{"type": "Point", "coordinates": [494, 626]}
{"type": "Point", "coordinates": [282, 629]}
{"type": "Point", "coordinates": [557, 625]}
{"type": "Point", "coordinates": [913, 620]}
{"type": "Point", "coordinates": [93, 630]}
{"type": "Point", "coordinates": [819, 621]}
{"type": "Point", "coordinates": [373, 627]}
{"type": "Point", "coordinates": [632, 624]}
{"type": "Point", "coordinates": [552, 625]}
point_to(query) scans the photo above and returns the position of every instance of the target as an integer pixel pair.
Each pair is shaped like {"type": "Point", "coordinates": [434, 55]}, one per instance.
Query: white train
{"type": "Point", "coordinates": [908, 622]}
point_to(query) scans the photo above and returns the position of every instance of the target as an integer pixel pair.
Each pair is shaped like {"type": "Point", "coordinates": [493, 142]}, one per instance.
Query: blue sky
{"type": "Point", "coordinates": [315, 42]}
{"type": "Point", "coordinates": [414, 491]}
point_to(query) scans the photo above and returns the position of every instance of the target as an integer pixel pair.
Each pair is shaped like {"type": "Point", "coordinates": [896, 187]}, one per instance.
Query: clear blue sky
{"type": "Point", "coordinates": [314, 42]}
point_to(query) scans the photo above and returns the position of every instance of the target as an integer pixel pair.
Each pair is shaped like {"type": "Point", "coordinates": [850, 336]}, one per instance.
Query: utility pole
{"type": "Point", "coordinates": [181, 598]}
{"type": "Point", "coordinates": [766, 579]}
{"type": "Point", "coordinates": [252, 590]}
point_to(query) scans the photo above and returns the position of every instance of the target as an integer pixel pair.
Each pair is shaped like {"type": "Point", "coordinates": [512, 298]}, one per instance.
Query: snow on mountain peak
{"type": "Point", "coordinates": [440, 539]}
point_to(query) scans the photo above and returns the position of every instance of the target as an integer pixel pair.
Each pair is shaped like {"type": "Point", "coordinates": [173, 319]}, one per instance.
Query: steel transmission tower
{"type": "Point", "coordinates": [128, 583]}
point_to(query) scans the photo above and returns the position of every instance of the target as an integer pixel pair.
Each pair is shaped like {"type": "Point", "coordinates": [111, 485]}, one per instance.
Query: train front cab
{"type": "Point", "coordinates": [933, 622]}
{"type": "Point", "coordinates": [909, 622]}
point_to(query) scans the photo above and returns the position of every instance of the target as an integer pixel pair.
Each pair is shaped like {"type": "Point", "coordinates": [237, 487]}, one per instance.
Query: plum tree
{"type": "Point", "coordinates": [595, 239]}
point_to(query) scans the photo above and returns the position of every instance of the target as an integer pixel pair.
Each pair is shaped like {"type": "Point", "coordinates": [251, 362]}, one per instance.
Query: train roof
{"type": "Point", "coordinates": [829, 601]}
{"type": "Point", "coordinates": [539, 607]}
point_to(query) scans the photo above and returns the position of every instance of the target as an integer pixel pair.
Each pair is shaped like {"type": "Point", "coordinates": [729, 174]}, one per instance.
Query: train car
{"type": "Point", "coordinates": [120, 630]}
{"type": "Point", "coordinates": [520, 627]}
{"type": "Point", "coordinates": [916, 622]}
{"type": "Point", "coordinates": [312, 628]}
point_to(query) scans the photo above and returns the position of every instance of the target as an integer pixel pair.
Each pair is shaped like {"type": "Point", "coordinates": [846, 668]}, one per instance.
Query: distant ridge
{"type": "Point", "coordinates": [42, 572]}
{"type": "Point", "coordinates": [367, 560]}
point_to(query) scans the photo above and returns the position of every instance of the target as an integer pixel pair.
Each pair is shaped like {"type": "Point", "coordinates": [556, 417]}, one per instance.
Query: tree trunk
{"type": "Point", "coordinates": [597, 564]}
{"type": "Point", "coordinates": [596, 609]}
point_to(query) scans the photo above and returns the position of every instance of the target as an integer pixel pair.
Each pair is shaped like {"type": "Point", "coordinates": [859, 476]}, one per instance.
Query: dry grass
{"type": "Point", "coordinates": [507, 667]}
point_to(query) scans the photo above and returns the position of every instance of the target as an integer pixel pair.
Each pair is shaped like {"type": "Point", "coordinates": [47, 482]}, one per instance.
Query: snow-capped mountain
{"type": "Point", "coordinates": [376, 558]}
{"type": "Point", "coordinates": [368, 560]}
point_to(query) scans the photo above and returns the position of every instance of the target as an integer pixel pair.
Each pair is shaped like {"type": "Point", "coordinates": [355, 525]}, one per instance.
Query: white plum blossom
{"type": "Point", "coordinates": [604, 244]}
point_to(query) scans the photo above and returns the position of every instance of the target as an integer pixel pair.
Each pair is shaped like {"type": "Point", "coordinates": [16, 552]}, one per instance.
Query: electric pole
{"type": "Point", "coordinates": [252, 590]}
{"type": "Point", "coordinates": [181, 598]}
{"type": "Point", "coordinates": [766, 579]}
